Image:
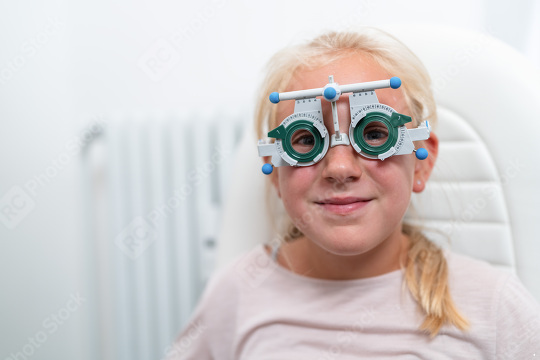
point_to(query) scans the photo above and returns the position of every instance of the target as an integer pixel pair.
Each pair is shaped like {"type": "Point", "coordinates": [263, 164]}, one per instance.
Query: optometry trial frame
{"type": "Point", "coordinates": [376, 132]}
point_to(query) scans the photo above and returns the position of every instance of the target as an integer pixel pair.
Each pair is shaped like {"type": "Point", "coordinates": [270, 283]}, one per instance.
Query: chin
{"type": "Point", "coordinates": [347, 247]}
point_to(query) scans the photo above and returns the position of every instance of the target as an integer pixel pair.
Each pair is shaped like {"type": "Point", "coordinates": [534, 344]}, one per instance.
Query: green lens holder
{"type": "Point", "coordinates": [286, 133]}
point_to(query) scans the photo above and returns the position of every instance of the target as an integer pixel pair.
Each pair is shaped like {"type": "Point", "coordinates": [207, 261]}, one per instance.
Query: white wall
{"type": "Point", "coordinates": [65, 64]}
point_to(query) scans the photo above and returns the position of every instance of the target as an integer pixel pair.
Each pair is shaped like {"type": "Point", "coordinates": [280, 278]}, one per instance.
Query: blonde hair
{"type": "Point", "coordinates": [426, 271]}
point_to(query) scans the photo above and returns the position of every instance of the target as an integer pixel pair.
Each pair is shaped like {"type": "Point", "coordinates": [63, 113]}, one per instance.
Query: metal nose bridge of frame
{"type": "Point", "coordinates": [377, 131]}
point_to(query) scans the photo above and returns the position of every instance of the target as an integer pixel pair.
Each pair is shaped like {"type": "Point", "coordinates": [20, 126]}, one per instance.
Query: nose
{"type": "Point", "coordinates": [342, 165]}
{"type": "Point", "coordinates": [341, 162]}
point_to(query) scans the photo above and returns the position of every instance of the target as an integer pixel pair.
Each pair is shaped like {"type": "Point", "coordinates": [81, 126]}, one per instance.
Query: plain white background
{"type": "Point", "coordinates": [65, 64]}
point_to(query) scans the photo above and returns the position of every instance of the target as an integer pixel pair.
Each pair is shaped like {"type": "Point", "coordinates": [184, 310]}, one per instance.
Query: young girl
{"type": "Point", "coordinates": [349, 279]}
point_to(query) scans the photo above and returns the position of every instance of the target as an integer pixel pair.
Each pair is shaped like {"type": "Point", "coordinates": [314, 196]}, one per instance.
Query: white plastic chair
{"type": "Point", "coordinates": [485, 190]}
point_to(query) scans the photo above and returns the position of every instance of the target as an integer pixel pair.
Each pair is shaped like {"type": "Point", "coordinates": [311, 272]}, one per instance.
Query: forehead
{"type": "Point", "coordinates": [349, 69]}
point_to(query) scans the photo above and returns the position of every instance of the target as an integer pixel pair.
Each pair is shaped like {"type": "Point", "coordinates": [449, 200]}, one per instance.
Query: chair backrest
{"type": "Point", "coordinates": [484, 194]}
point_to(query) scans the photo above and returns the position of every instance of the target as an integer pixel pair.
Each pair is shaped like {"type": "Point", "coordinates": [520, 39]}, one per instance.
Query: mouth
{"type": "Point", "coordinates": [343, 205]}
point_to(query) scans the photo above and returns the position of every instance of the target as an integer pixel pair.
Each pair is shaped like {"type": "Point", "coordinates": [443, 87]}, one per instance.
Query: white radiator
{"type": "Point", "coordinates": [154, 190]}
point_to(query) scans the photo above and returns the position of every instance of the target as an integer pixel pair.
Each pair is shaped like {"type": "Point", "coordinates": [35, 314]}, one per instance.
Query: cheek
{"type": "Point", "coordinates": [395, 175]}
{"type": "Point", "coordinates": [294, 183]}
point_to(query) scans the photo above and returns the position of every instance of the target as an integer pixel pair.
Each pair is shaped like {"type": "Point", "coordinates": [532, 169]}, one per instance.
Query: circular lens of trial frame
{"type": "Point", "coordinates": [302, 141]}
{"type": "Point", "coordinates": [375, 133]}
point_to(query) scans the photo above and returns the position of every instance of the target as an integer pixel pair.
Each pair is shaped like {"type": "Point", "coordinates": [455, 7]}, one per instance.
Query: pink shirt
{"type": "Point", "coordinates": [254, 309]}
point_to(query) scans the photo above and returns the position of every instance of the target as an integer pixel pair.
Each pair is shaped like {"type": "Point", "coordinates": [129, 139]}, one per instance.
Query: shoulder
{"type": "Point", "coordinates": [517, 322]}
{"type": "Point", "coordinates": [475, 286]}
{"type": "Point", "coordinates": [480, 281]}
{"type": "Point", "coordinates": [496, 300]}
{"type": "Point", "coordinates": [242, 272]}
{"type": "Point", "coordinates": [236, 283]}
{"type": "Point", "coordinates": [464, 270]}
{"type": "Point", "coordinates": [211, 330]}
{"type": "Point", "coordinates": [225, 286]}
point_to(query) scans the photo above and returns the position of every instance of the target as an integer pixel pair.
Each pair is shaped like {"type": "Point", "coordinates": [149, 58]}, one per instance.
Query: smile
{"type": "Point", "coordinates": [343, 206]}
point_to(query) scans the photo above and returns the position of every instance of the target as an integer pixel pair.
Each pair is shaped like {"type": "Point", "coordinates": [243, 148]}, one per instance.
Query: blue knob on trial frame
{"type": "Point", "coordinates": [395, 82]}
{"type": "Point", "coordinates": [421, 153]}
{"type": "Point", "coordinates": [267, 169]}
{"type": "Point", "coordinates": [274, 97]}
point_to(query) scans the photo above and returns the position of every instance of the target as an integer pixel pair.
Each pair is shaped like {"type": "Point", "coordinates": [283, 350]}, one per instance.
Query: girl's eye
{"type": "Point", "coordinates": [302, 141]}
{"type": "Point", "coordinates": [375, 133]}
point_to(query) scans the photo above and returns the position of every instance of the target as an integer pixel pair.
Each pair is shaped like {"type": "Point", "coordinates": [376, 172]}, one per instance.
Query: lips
{"type": "Point", "coordinates": [343, 205]}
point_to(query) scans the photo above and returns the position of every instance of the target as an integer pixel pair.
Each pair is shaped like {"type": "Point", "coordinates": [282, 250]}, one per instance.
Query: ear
{"type": "Point", "coordinates": [273, 176]}
{"type": "Point", "coordinates": [423, 168]}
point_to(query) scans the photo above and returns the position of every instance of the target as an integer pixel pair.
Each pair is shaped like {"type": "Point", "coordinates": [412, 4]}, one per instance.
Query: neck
{"type": "Point", "coordinates": [305, 257]}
